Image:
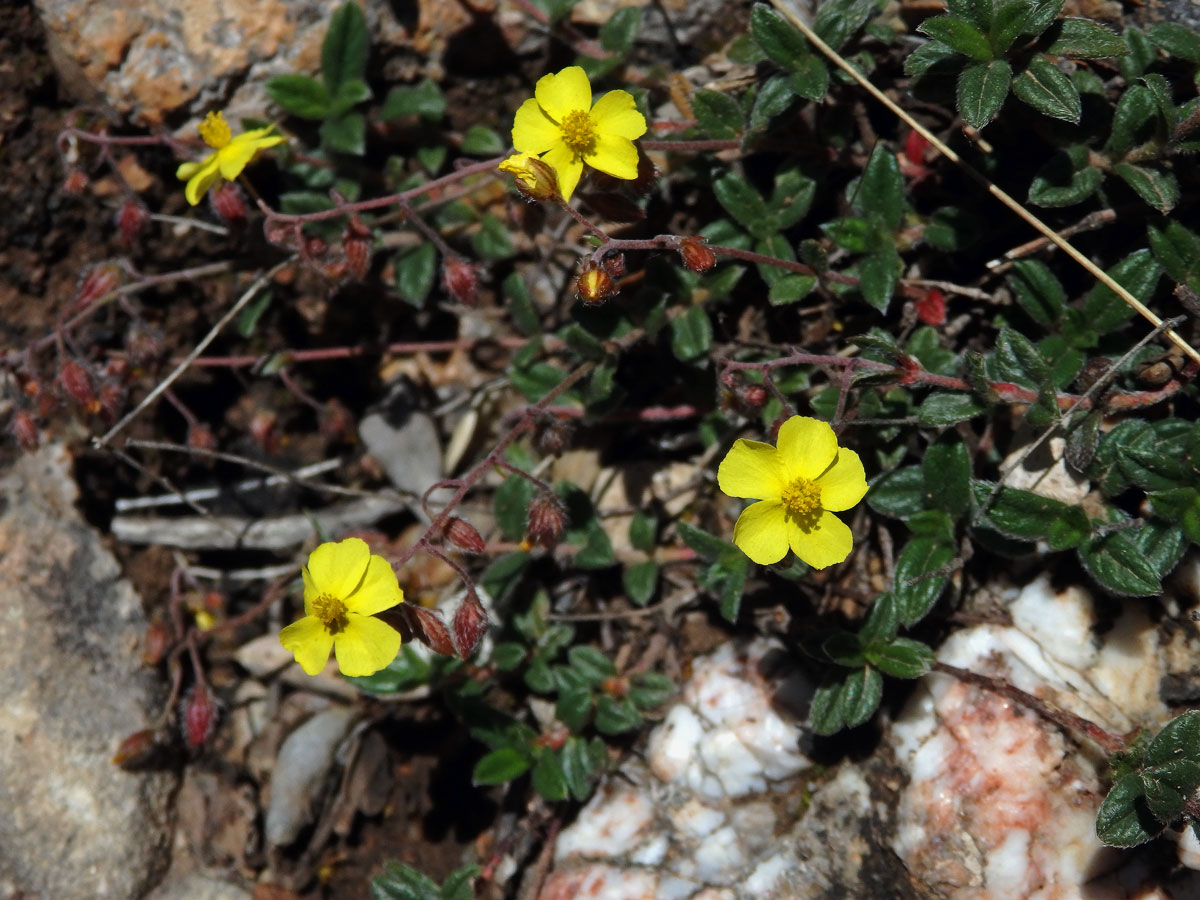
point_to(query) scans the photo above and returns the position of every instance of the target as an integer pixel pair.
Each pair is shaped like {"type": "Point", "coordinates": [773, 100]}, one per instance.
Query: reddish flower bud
{"type": "Point", "coordinates": [914, 148]}
{"type": "Point", "coordinates": [137, 750]}
{"type": "Point", "coordinates": [614, 264]}
{"type": "Point", "coordinates": [25, 430]}
{"type": "Point", "coordinates": [552, 435]}
{"type": "Point", "coordinates": [547, 520]}
{"type": "Point", "coordinates": [96, 282]}
{"type": "Point", "coordinates": [198, 717]}
{"type": "Point", "coordinates": [696, 256]}
{"type": "Point", "coordinates": [109, 400]}
{"type": "Point", "coordinates": [462, 534]}
{"type": "Point", "coordinates": [594, 286]}
{"type": "Point", "coordinates": [427, 627]}
{"type": "Point", "coordinates": [356, 241]}
{"type": "Point", "coordinates": [647, 176]}
{"type": "Point", "coordinates": [931, 306]}
{"type": "Point", "coordinates": [461, 280]}
{"type": "Point", "coordinates": [131, 219]}
{"type": "Point", "coordinates": [229, 203]}
{"type": "Point", "coordinates": [154, 643]}
{"type": "Point", "coordinates": [535, 179]}
{"type": "Point", "coordinates": [77, 384]}
{"type": "Point", "coordinates": [201, 437]}
{"type": "Point", "coordinates": [143, 344]}
{"type": "Point", "coordinates": [616, 686]}
{"type": "Point", "coordinates": [285, 235]}
{"type": "Point", "coordinates": [76, 182]}
{"type": "Point", "coordinates": [470, 622]}
{"type": "Point", "coordinates": [314, 246]}
{"type": "Point", "coordinates": [262, 430]}
{"type": "Point", "coordinates": [754, 396]}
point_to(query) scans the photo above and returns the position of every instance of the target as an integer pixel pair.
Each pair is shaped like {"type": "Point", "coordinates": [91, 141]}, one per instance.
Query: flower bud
{"type": "Point", "coordinates": [109, 400]}
{"type": "Point", "coordinates": [552, 435]}
{"type": "Point", "coordinates": [201, 437]}
{"type": "Point", "coordinates": [356, 241]}
{"type": "Point", "coordinates": [461, 281]}
{"type": "Point", "coordinates": [754, 396]}
{"type": "Point", "coordinates": [462, 534]}
{"type": "Point", "coordinates": [696, 256]}
{"type": "Point", "coordinates": [229, 203]}
{"type": "Point", "coordinates": [547, 520]}
{"type": "Point", "coordinates": [96, 282]}
{"type": "Point", "coordinates": [198, 718]}
{"type": "Point", "coordinates": [470, 622]}
{"type": "Point", "coordinates": [25, 430]}
{"type": "Point", "coordinates": [594, 286]}
{"type": "Point", "coordinates": [77, 384]}
{"type": "Point", "coordinates": [931, 306]}
{"type": "Point", "coordinates": [131, 219]}
{"type": "Point", "coordinates": [137, 750]}
{"type": "Point", "coordinates": [314, 246]}
{"type": "Point", "coordinates": [614, 264]}
{"type": "Point", "coordinates": [535, 179]}
{"type": "Point", "coordinates": [76, 182]}
{"type": "Point", "coordinates": [154, 643]}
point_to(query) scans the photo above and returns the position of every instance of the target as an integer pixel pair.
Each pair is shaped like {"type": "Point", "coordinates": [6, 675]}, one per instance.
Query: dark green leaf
{"type": "Point", "coordinates": [1045, 12]}
{"type": "Point", "coordinates": [846, 702]}
{"type": "Point", "coordinates": [718, 114]}
{"type": "Point", "coordinates": [982, 87]}
{"type": "Point", "coordinates": [1123, 819]}
{"type": "Point", "coordinates": [843, 648]}
{"type": "Point", "coordinates": [849, 233]}
{"type": "Point", "coordinates": [510, 505]}
{"type": "Point", "coordinates": [597, 552]}
{"type": "Point", "coordinates": [401, 882]}
{"type": "Point", "coordinates": [407, 671]}
{"type": "Point", "coordinates": [1018, 360]}
{"type": "Point", "coordinates": [878, 275]}
{"type": "Point", "coordinates": [1161, 544]}
{"type": "Point", "coordinates": [1138, 273]}
{"type": "Point", "coordinates": [1010, 20]}
{"type": "Point", "coordinates": [300, 95]}
{"type": "Point", "coordinates": [1180, 506]}
{"type": "Point", "coordinates": [591, 663]}
{"type": "Point", "coordinates": [708, 546]}
{"type": "Point", "coordinates": [1178, 739]}
{"type": "Point", "coordinates": [349, 95]}
{"type": "Point", "coordinates": [1044, 87]}
{"type": "Point", "coordinates": [776, 37]}
{"type": "Point", "coordinates": [619, 32]}
{"type": "Point", "coordinates": [415, 271]}
{"type": "Point", "coordinates": [901, 657]}
{"type": "Point", "coordinates": [882, 188]}
{"type": "Point", "coordinates": [502, 576]}
{"type": "Point", "coordinates": [1161, 92]}
{"type": "Point", "coordinates": [791, 196]}
{"type": "Point", "coordinates": [899, 493]}
{"type": "Point", "coordinates": [479, 140]}
{"type": "Point", "coordinates": [882, 621]}
{"type": "Point", "coordinates": [1168, 787]}
{"type": "Point", "coordinates": [536, 380]}
{"type": "Point", "coordinates": [959, 34]}
{"type": "Point", "coordinates": [810, 78]}
{"type": "Point", "coordinates": [1176, 40]}
{"type": "Point", "coordinates": [1084, 39]}
{"type": "Point", "coordinates": [501, 766]}
{"type": "Point", "coordinates": [492, 241]}
{"type": "Point", "coordinates": [771, 100]}
{"type": "Point", "coordinates": [345, 133]}
{"type": "Point", "coordinates": [1038, 291]}
{"type": "Point", "coordinates": [731, 586]}
{"type": "Point", "coordinates": [650, 690]}
{"type": "Point", "coordinates": [916, 590]}
{"type": "Point", "coordinates": [791, 288]}
{"type": "Point", "coordinates": [1017, 513]}
{"type": "Point", "coordinates": [1177, 249]}
{"type": "Point", "coordinates": [641, 581]}
{"type": "Point", "coordinates": [1134, 110]}
{"type": "Point", "coordinates": [837, 20]}
{"type": "Point", "coordinates": [931, 57]}
{"type": "Point", "coordinates": [457, 885]}
{"type": "Point", "coordinates": [1119, 565]}
{"type": "Point", "coordinates": [977, 12]}
{"type": "Point", "coordinates": [1156, 187]}
{"type": "Point", "coordinates": [1065, 179]}
{"type": "Point", "coordinates": [691, 334]}
{"type": "Point", "coordinates": [578, 767]}
{"type": "Point", "coordinates": [520, 305]}
{"type": "Point", "coordinates": [548, 778]}
{"type": "Point", "coordinates": [344, 50]}
{"type": "Point", "coordinates": [616, 715]}
{"type": "Point", "coordinates": [944, 408]}
{"type": "Point", "coordinates": [946, 468]}
{"type": "Point", "coordinates": [424, 100]}
{"type": "Point", "coordinates": [932, 523]}
{"type": "Point", "coordinates": [643, 530]}
{"type": "Point", "coordinates": [743, 202]}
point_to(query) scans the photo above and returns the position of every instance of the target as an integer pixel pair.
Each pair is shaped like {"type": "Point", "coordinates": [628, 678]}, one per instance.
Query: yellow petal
{"type": "Point", "coordinates": [533, 132]}
{"type": "Point", "coordinates": [263, 136]}
{"type": "Point", "coordinates": [201, 180]}
{"type": "Point", "coordinates": [824, 544]}
{"type": "Point", "coordinates": [615, 155]}
{"type": "Point", "coordinates": [337, 569]}
{"type": "Point", "coordinates": [365, 646]}
{"type": "Point", "coordinates": [309, 641]}
{"type": "Point", "coordinates": [807, 446]}
{"type": "Point", "coordinates": [188, 169]}
{"type": "Point", "coordinates": [752, 469]}
{"type": "Point", "coordinates": [235, 156]}
{"type": "Point", "coordinates": [844, 483]}
{"type": "Point", "coordinates": [562, 159]}
{"type": "Point", "coordinates": [615, 113]}
{"type": "Point", "coordinates": [565, 92]}
{"type": "Point", "coordinates": [378, 591]}
{"type": "Point", "coordinates": [762, 532]}
{"type": "Point", "coordinates": [311, 591]}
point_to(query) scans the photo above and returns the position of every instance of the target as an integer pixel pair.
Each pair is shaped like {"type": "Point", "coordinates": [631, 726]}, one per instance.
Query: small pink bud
{"type": "Point", "coordinates": [462, 534]}
{"type": "Point", "coordinates": [77, 384]}
{"type": "Point", "coordinates": [470, 622]}
{"type": "Point", "coordinates": [428, 628]}
{"type": "Point", "coordinates": [547, 520]}
{"type": "Point", "coordinates": [614, 264]}
{"type": "Point", "coordinates": [552, 435]}
{"type": "Point", "coordinates": [154, 643]}
{"type": "Point", "coordinates": [356, 241]}
{"type": "Point", "coordinates": [229, 203]}
{"type": "Point", "coordinates": [201, 437]}
{"type": "Point", "coordinates": [96, 282]}
{"type": "Point", "coordinates": [199, 717]}
{"type": "Point", "coordinates": [696, 256]}
{"type": "Point", "coordinates": [76, 182]}
{"type": "Point", "coordinates": [754, 396]}
{"type": "Point", "coordinates": [131, 219]}
{"type": "Point", "coordinates": [461, 281]}
{"type": "Point", "coordinates": [25, 430]}
{"type": "Point", "coordinates": [931, 306]}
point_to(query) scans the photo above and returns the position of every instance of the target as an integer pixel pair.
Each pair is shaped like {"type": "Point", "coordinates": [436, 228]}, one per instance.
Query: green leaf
{"type": "Point", "coordinates": [1156, 187]}
{"type": "Point", "coordinates": [424, 100]}
{"type": "Point", "coordinates": [899, 493]}
{"type": "Point", "coordinates": [1177, 249]}
{"type": "Point", "coordinates": [901, 657]}
{"type": "Point", "coordinates": [1117, 564]}
{"type": "Point", "coordinates": [1178, 739]}
{"type": "Point", "coordinates": [811, 78]}
{"type": "Point", "coordinates": [958, 34]}
{"type": "Point", "coordinates": [837, 20]}
{"type": "Point", "coordinates": [510, 506]}
{"type": "Point", "coordinates": [479, 140]}
{"type": "Point", "coordinates": [1138, 273]}
{"type": "Point", "coordinates": [1044, 87]}
{"type": "Point", "coordinates": [847, 701]}
{"type": "Point", "coordinates": [492, 240]}
{"type": "Point", "coordinates": [791, 196]}
{"type": "Point", "coordinates": [1009, 21]}
{"type": "Point", "coordinates": [1065, 179]}
{"type": "Point", "coordinates": [982, 87]}
{"type": "Point", "coordinates": [650, 690]}
{"type": "Point", "coordinates": [406, 672]}
{"type": "Point", "coordinates": [1134, 110]}
{"type": "Point", "coordinates": [790, 289]}
{"type": "Point", "coordinates": [691, 334]}
{"type": "Point", "coordinates": [344, 50]}
{"type": "Point", "coordinates": [734, 580]}
{"type": "Point", "coordinates": [882, 188]}
{"type": "Point", "coordinates": [520, 305]}
{"type": "Point", "coordinates": [708, 546]}
{"type": "Point", "coordinates": [415, 272]}
{"type": "Point", "coordinates": [501, 766]}
{"type": "Point", "coordinates": [248, 320]}
{"type": "Point", "coordinates": [1162, 544]}
{"type": "Point", "coordinates": [1084, 39]}
{"type": "Point", "coordinates": [1017, 513]}
{"type": "Point", "coordinates": [499, 578]}
{"type": "Point", "coordinates": [1180, 506]}
{"type": "Point", "coordinates": [878, 275]}
{"type": "Point", "coordinates": [932, 57]}
{"type": "Point", "coordinates": [1123, 819]}
{"type": "Point", "coordinates": [579, 767]}
{"type": "Point", "coordinates": [978, 12]}
{"type": "Point", "coordinates": [1176, 40]}
{"type": "Point", "coordinates": [548, 778]}
{"type": "Point", "coordinates": [643, 531]}
{"type": "Point", "coordinates": [916, 591]}
{"type": "Point", "coordinates": [640, 581]}
{"type": "Point", "coordinates": [1168, 787]}
{"type": "Point", "coordinates": [776, 37]}
{"type": "Point", "coordinates": [944, 408]}
{"type": "Point", "coordinates": [1038, 291]}
{"type": "Point", "coordinates": [457, 885]}
{"type": "Point", "coordinates": [1018, 360]}
{"type": "Point", "coordinates": [300, 95]}
{"type": "Point", "coordinates": [717, 114]}
{"type": "Point", "coordinates": [591, 663]}
{"type": "Point", "coordinates": [597, 552]}
{"type": "Point", "coordinates": [745, 204]}
{"type": "Point", "coordinates": [620, 31]}
{"type": "Point", "coordinates": [771, 100]}
{"type": "Point", "coordinates": [1043, 16]}
{"type": "Point", "coordinates": [349, 95]}
{"type": "Point", "coordinates": [882, 621]}
{"type": "Point", "coordinates": [616, 715]}
{"type": "Point", "coordinates": [401, 882]}
{"type": "Point", "coordinates": [1161, 92]}
{"type": "Point", "coordinates": [946, 468]}
{"type": "Point", "coordinates": [843, 648]}
{"type": "Point", "coordinates": [345, 134]}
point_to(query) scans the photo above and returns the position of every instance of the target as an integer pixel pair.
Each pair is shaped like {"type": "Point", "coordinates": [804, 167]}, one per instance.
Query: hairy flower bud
{"type": "Point", "coordinates": [696, 256]}
{"type": "Point", "coordinates": [25, 430]}
{"type": "Point", "coordinates": [931, 306]}
{"type": "Point", "coordinates": [614, 264]}
{"type": "Point", "coordinates": [77, 384]}
{"type": "Point", "coordinates": [137, 751]}
{"type": "Point", "coordinates": [754, 396]}
{"type": "Point", "coordinates": [552, 435]}
{"type": "Point", "coordinates": [470, 622]}
{"type": "Point", "coordinates": [547, 520]}
{"type": "Point", "coordinates": [356, 241]}
{"type": "Point", "coordinates": [131, 219]}
{"type": "Point", "coordinates": [461, 281]}
{"type": "Point", "coordinates": [154, 643]}
{"type": "Point", "coordinates": [229, 203]}
{"type": "Point", "coordinates": [109, 399]}
{"type": "Point", "coordinates": [76, 182]}
{"type": "Point", "coordinates": [462, 534]}
{"type": "Point", "coordinates": [96, 282]}
{"type": "Point", "coordinates": [535, 179]}
{"type": "Point", "coordinates": [198, 717]}
{"type": "Point", "coordinates": [594, 286]}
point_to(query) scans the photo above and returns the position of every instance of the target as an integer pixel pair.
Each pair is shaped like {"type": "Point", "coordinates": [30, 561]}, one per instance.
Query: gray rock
{"type": "Point", "coordinates": [200, 887]}
{"type": "Point", "coordinates": [74, 825]}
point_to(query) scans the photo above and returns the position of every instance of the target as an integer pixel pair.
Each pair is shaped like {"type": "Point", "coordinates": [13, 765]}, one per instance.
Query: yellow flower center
{"type": "Point", "coordinates": [579, 132]}
{"type": "Point", "coordinates": [802, 502]}
{"type": "Point", "coordinates": [332, 613]}
{"type": "Point", "coordinates": [215, 131]}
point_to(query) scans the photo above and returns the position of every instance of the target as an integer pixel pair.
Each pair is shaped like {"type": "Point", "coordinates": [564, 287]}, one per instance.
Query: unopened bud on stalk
{"type": "Point", "coordinates": [198, 718]}
{"type": "Point", "coordinates": [754, 396]}
{"type": "Point", "coordinates": [462, 534]}
{"type": "Point", "coordinates": [696, 256]}
{"type": "Point", "coordinates": [229, 203]}
{"type": "Point", "coordinates": [96, 282]}
{"type": "Point", "coordinates": [110, 398]}
{"type": "Point", "coordinates": [77, 384]}
{"type": "Point", "coordinates": [547, 520]}
{"type": "Point", "coordinates": [25, 430]}
{"type": "Point", "coordinates": [76, 182]}
{"type": "Point", "coordinates": [614, 264]}
{"type": "Point", "coordinates": [154, 643]}
{"type": "Point", "coordinates": [131, 219]}
{"type": "Point", "coordinates": [461, 281]}
{"type": "Point", "coordinates": [535, 179]}
{"type": "Point", "coordinates": [552, 435]}
{"type": "Point", "coordinates": [201, 437]}
{"type": "Point", "coordinates": [594, 286]}
{"type": "Point", "coordinates": [356, 240]}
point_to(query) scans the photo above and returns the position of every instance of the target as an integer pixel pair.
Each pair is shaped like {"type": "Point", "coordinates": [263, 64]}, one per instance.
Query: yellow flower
{"type": "Point", "coordinates": [232, 155]}
{"type": "Point", "coordinates": [561, 126]}
{"type": "Point", "coordinates": [799, 485]}
{"type": "Point", "coordinates": [344, 587]}
{"type": "Point", "coordinates": [533, 177]}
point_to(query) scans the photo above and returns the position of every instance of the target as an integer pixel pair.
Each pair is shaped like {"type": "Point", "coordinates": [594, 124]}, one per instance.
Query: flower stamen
{"type": "Point", "coordinates": [802, 502]}
{"type": "Point", "coordinates": [332, 613]}
{"type": "Point", "coordinates": [214, 130]}
{"type": "Point", "coordinates": [579, 132]}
